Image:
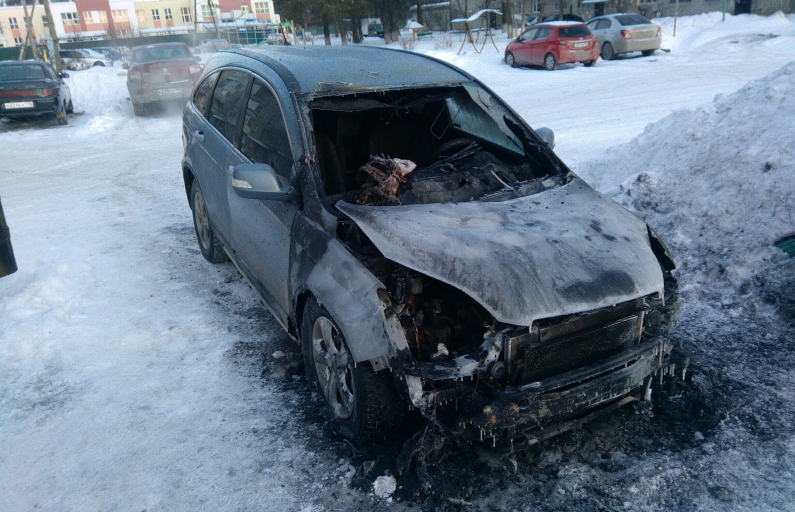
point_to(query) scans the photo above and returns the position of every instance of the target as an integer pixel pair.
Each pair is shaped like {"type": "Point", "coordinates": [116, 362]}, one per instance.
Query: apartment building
{"type": "Point", "coordinates": [100, 19]}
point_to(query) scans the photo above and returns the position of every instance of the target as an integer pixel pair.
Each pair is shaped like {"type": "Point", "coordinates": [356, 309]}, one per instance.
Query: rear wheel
{"type": "Point", "coordinates": [648, 53]}
{"type": "Point", "coordinates": [359, 404]}
{"type": "Point", "coordinates": [607, 52]}
{"type": "Point", "coordinates": [211, 248]}
{"type": "Point", "coordinates": [139, 109]}
{"type": "Point", "coordinates": [60, 116]}
{"type": "Point", "coordinates": [550, 62]}
{"type": "Point", "coordinates": [589, 63]}
{"type": "Point", "coordinates": [510, 60]}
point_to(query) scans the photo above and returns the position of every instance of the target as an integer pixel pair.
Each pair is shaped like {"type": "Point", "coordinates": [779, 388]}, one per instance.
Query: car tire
{"type": "Point", "coordinates": [550, 62]}
{"type": "Point", "coordinates": [607, 52]}
{"type": "Point", "coordinates": [139, 109]}
{"type": "Point", "coordinates": [98, 64]}
{"type": "Point", "coordinates": [648, 53]}
{"type": "Point", "coordinates": [210, 246]}
{"type": "Point", "coordinates": [589, 63]}
{"type": "Point", "coordinates": [359, 404]}
{"type": "Point", "coordinates": [70, 108]}
{"type": "Point", "coordinates": [510, 60]}
{"type": "Point", "coordinates": [60, 116]}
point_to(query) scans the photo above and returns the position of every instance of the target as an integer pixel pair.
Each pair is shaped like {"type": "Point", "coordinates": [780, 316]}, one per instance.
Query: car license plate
{"type": "Point", "coordinates": [169, 92]}
{"type": "Point", "coordinates": [581, 45]}
{"type": "Point", "coordinates": [20, 104]}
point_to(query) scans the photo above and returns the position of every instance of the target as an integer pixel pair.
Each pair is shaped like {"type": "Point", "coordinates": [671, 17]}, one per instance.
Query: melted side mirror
{"type": "Point", "coordinates": [259, 181]}
{"type": "Point", "coordinates": [548, 136]}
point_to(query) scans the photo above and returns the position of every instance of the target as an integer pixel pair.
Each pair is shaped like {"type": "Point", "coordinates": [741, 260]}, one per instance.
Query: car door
{"type": "Point", "coordinates": [521, 53]}
{"type": "Point", "coordinates": [261, 229]}
{"type": "Point", "coordinates": [539, 44]}
{"type": "Point", "coordinates": [212, 143]}
{"type": "Point", "coordinates": [600, 28]}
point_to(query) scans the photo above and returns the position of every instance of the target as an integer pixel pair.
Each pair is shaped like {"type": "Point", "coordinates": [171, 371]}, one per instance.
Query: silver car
{"type": "Point", "coordinates": [622, 33]}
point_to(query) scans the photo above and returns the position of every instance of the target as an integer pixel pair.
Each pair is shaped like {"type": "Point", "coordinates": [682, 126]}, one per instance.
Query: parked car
{"type": "Point", "coordinates": [160, 72]}
{"type": "Point", "coordinates": [83, 59]}
{"type": "Point", "coordinates": [8, 264]}
{"type": "Point", "coordinates": [375, 30]}
{"type": "Point", "coordinates": [622, 33]}
{"type": "Point", "coordinates": [32, 87]}
{"type": "Point", "coordinates": [564, 17]}
{"type": "Point", "coordinates": [550, 44]}
{"type": "Point", "coordinates": [109, 52]}
{"type": "Point", "coordinates": [423, 244]}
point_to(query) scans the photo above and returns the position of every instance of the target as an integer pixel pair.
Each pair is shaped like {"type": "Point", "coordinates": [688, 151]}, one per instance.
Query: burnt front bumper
{"type": "Point", "coordinates": [543, 408]}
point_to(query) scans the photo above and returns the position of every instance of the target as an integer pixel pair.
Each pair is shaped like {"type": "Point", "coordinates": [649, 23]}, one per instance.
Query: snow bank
{"type": "Point", "coordinates": [718, 183]}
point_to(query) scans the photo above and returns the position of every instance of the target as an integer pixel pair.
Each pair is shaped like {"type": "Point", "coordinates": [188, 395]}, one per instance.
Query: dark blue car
{"type": "Point", "coordinates": [33, 87]}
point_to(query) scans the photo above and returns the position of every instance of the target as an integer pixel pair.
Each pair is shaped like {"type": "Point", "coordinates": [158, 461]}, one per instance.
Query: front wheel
{"type": "Point", "coordinates": [550, 62]}
{"type": "Point", "coordinates": [139, 109]}
{"type": "Point", "coordinates": [211, 248]}
{"type": "Point", "coordinates": [607, 52]}
{"type": "Point", "coordinates": [70, 108]}
{"type": "Point", "coordinates": [359, 404]}
{"type": "Point", "coordinates": [60, 116]}
{"type": "Point", "coordinates": [648, 53]}
{"type": "Point", "coordinates": [510, 60]}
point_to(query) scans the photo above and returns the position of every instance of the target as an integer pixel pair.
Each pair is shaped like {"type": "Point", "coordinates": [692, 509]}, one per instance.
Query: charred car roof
{"type": "Point", "coordinates": [336, 69]}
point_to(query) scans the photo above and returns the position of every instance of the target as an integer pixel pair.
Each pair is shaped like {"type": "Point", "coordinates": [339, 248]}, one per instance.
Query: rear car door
{"type": "Point", "coordinates": [212, 142]}
{"type": "Point", "coordinates": [539, 44]}
{"type": "Point", "coordinates": [261, 229]}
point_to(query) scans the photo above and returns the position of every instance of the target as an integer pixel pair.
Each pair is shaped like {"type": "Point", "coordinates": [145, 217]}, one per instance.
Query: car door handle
{"type": "Point", "coordinates": [198, 135]}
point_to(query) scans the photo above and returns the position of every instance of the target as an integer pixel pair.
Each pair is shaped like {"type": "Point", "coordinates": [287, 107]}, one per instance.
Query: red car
{"type": "Point", "coordinates": [161, 72]}
{"type": "Point", "coordinates": [553, 43]}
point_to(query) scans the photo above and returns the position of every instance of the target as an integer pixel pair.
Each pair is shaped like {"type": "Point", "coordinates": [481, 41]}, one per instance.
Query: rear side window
{"type": "Point", "coordinates": [628, 20]}
{"type": "Point", "coordinates": [201, 98]}
{"type": "Point", "coordinates": [264, 133]}
{"type": "Point", "coordinates": [575, 31]}
{"type": "Point", "coordinates": [227, 103]}
{"type": "Point", "coordinates": [605, 24]}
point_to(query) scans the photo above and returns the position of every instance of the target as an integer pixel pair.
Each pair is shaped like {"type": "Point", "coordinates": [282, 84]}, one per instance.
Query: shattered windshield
{"type": "Point", "coordinates": [431, 145]}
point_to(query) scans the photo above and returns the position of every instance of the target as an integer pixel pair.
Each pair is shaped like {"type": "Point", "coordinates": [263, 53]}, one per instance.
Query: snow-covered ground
{"type": "Point", "coordinates": [136, 376]}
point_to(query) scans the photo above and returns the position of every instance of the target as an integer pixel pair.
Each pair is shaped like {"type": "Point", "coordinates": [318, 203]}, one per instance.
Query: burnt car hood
{"type": "Point", "coordinates": [565, 250]}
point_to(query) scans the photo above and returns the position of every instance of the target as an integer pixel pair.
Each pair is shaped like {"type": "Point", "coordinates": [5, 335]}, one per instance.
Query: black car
{"type": "Point", "coordinates": [423, 244]}
{"type": "Point", "coordinates": [565, 17]}
{"type": "Point", "coordinates": [32, 87]}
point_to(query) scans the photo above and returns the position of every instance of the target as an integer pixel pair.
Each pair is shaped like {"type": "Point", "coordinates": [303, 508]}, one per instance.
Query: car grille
{"type": "Point", "coordinates": [562, 344]}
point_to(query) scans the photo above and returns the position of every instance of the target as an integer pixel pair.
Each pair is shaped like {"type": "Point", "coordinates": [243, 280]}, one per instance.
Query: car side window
{"type": "Point", "coordinates": [50, 73]}
{"type": "Point", "coordinates": [264, 133]}
{"type": "Point", "coordinates": [528, 35]}
{"type": "Point", "coordinates": [604, 24]}
{"type": "Point", "coordinates": [543, 33]}
{"type": "Point", "coordinates": [227, 103]}
{"type": "Point", "coordinates": [593, 24]}
{"type": "Point", "coordinates": [201, 98]}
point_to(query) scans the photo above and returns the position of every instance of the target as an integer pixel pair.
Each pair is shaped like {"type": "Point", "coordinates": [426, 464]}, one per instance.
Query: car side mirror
{"type": "Point", "coordinates": [64, 75]}
{"type": "Point", "coordinates": [548, 136]}
{"type": "Point", "coordinates": [259, 181]}
{"type": "Point", "coordinates": [198, 59]}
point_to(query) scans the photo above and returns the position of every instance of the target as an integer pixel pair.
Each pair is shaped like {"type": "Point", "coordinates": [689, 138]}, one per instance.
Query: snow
{"type": "Point", "coordinates": [134, 375]}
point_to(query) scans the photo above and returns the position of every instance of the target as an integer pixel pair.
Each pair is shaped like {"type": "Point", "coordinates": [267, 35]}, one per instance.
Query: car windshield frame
{"type": "Point", "coordinates": [631, 20]}
{"type": "Point", "coordinates": [6, 73]}
{"type": "Point", "coordinates": [160, 53]}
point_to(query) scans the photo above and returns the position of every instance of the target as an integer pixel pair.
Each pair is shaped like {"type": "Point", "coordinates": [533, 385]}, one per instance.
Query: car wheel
{"type": "Point", "coordinates": [99, 64]}
{"type": "Point", "coordinates": [510, 60]}
{"type": "Point", "coordinates": [550, 62]}
{"type": "Point", "coordinates": [211, 248]}
{"type": "Point", "coordinates": [60, 116]}
{"type": "Point", "coordinates": [359, 404]}
{"type": "Point", "coordinates": [589, 63]}
{"type": "Point", "coordinates": [607, 52]}
{"type": "Point", "coordinates": [139, 109]}
{"type": "Point", "coordinates": [648, 53]}
{"type": "Point", "coordinates": [70, 108]}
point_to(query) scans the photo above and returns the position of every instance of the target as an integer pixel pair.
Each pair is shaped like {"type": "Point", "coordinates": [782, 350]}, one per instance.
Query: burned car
{"type": "Point", "coordinates": [425, 246]}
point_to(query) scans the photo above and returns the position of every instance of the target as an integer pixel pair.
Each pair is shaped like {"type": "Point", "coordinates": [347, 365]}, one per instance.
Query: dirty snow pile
{"type": "Point", "coordinates": [717, 183]}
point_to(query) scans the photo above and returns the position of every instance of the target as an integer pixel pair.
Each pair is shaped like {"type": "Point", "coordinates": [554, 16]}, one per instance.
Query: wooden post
{"type": "Point", "coordinates": [56, 47]}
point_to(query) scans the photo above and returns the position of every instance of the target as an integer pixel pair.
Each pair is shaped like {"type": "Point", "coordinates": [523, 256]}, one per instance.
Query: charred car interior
{"type": "Point", "coordinates": [440, 257]}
